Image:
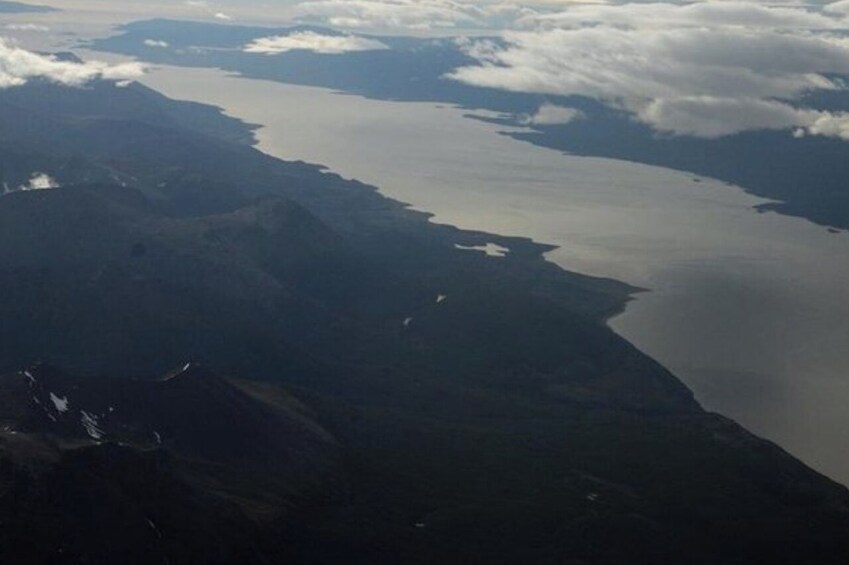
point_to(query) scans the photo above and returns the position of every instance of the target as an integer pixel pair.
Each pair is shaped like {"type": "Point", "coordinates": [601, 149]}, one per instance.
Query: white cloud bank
{"type": "Point", "coordinates": [311, 41]}
{"type": "Point", "coordinates": [551, 114]}
{"type": "Point", "coordinates": [27, 27]}
{"type": "Point", "coordinates": [409, 14]}
{"type": "Point", "coordinates": [705, 69]}
{"type": "Point", "coordinates": [17, 66]}
{"type": "Point", "coordinates": [155, 43]}
{"type": "Point", "coordinates": [209, 9]}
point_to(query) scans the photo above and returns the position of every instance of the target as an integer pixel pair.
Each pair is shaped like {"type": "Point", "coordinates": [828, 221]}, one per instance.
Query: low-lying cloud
{"type": "Point", "coordinates": [551, 115]}
{"type": "Point", "coordinates": [315, 42]}
{"type": "Point", "coordinates": [409, 14]}
{"type": "Point", "coordinates": [209, 9]}
{"type": "Point", "coordinates": [18, 66]}
{"type": "Point", "coordinates": [27, 27]}
{"type": "Point", "coordinates": [706, 69]}
{"type": "Point", "coordinates": [155, 43]}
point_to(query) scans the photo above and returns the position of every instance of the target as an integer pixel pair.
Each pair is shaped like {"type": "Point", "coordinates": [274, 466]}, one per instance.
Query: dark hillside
{"type": "Point", "coordinates": [453, 407]}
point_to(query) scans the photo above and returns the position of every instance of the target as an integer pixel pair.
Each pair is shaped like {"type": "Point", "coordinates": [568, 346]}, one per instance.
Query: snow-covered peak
{"type": "Point", "coordinates": [91, 425]}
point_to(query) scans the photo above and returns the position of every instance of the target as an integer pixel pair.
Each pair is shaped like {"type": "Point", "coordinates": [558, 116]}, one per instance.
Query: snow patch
{"type": "Point", "coordinates": [154, 528]}
{"type": "Point", "coordinates": [441, 298]}
{"type": "Point", "coordinates": [29, 376]}
{"type": "Point", "coordinates": [39, 181]}
{"type": "Point", "coordinates": [407, 322]}
{"type": "Point", "coordinates": [61, 404]}
{"type": "Point", "coordinates": [91, 425]}
{"type": "Point", "coordinates": [158, 438]}
{"type": "Point", "coordinates": [491, 249]}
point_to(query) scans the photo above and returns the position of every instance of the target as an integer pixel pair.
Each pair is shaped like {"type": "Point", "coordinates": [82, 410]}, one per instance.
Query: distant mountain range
{"type": "Point", "coordinates": [360, 390]}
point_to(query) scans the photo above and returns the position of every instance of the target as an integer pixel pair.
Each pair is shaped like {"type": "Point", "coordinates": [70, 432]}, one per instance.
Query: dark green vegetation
{"type": "Point", "coordinates": [806, 175]}
{"type": "Point", "coordinates": [20, 8]}
{"type": "Point", "coordinates": [503, 424]}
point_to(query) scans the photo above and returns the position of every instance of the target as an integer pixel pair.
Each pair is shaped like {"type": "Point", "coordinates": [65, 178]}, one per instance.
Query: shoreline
{"type": "Point", "coordinates": [687, 239]}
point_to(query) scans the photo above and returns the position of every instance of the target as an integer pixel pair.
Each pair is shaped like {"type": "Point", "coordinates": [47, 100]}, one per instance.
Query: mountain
{"type": "Point", "coordinates": [452, 406]}
{"type": "Point", "coordinates": [185, 468]}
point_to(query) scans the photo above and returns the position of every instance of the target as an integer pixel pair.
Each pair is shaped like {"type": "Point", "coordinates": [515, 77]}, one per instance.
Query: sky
{"type": "Point", "coordinates": [704, 69]}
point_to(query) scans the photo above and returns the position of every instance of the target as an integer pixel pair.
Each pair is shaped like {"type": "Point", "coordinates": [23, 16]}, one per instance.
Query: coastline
{"type": "Point", "coordinates": [590, 210]}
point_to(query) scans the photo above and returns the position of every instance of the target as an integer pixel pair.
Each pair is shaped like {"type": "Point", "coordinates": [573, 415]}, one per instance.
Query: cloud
{"type": "Point", "coordinates": [311, 41]}
{"type": "Point", "coordinates": [17, 66]}
{"type": "Point", "coordinates": [409, 14]}
{"type": "Point", "coordinates": [706, 69]}
{"type": "Point", "coordinates": [27, 27]}
{"type": "Point", "coordinates": [831, 125]}
{"type": "Point", "coordinates": [551, 115]}
{"type": "Point", "coordinates": [155, 43]}
{"type": "Point", "coordinates": [208, 8]}
{"type": "Point", "coordinates": [841, 7]}
{"type": "Point", "coordinates": [727, 13]}
{"type": "Point", "coordinates": [712, 117]}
